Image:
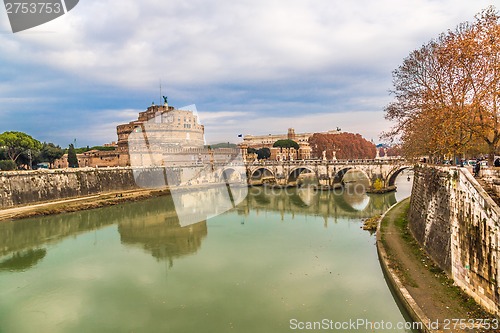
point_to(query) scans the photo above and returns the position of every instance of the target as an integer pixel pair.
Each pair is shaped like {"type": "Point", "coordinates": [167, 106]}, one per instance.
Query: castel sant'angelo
{"type": "Point", "coordinates": [164, 133]}
{"type": "Point", "coordinates": [167, 129]}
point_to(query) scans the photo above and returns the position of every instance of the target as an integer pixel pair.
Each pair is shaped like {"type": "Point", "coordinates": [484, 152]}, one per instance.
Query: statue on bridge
{"type": "Point", "coordinates": [324, 155]}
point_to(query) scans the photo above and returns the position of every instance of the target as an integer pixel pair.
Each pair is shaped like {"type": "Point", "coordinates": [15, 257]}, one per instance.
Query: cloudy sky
{"type": "Point", "coordinates": [249, 66]}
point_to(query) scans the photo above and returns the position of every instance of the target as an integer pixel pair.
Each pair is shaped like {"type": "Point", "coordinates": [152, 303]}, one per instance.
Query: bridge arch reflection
{"type": "Point", "coordinates": [347, 203]}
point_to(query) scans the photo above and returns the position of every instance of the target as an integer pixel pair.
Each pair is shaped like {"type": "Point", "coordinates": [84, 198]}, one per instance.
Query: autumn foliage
{"type": "Point", "coordinates": [447, 92]}
{"type": "Point", "coordinates": [346, 145]}
{"type": "Point", "coordinates": [393, 151]}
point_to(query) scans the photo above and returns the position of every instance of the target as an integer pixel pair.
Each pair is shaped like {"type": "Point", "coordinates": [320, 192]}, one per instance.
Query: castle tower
{"type": "Point", "coordinates": [291, 134]}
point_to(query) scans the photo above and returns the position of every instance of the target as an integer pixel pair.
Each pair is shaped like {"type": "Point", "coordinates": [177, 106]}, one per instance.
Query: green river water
{"type": "Point", "coordinates": [280, 260]}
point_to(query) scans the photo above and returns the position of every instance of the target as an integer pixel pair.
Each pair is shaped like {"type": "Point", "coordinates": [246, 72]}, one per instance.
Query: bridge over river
{"type": "Point", "coordinates": [327, 173]}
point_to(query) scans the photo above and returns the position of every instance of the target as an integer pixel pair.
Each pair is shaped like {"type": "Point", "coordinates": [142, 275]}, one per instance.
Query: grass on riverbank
{"type": "Point", "coordinates": [452, 291]}
{"type": "Point", "coordinates": [401, 222]}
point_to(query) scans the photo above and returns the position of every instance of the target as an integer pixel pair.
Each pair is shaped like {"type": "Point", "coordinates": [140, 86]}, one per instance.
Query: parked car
{"type": "Point", "coordinates": [43, 165]}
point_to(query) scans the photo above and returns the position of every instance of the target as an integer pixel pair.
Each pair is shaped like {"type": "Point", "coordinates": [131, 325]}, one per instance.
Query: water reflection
{"type": "Point", "coordinates": [22, 235]}
{"type": "Point", "coordinates": [164, 238]}
{"type": "Point", "coordinates": [347, 202]}
{"type": "Point", "coordinates": [154, 225]}
{"type": "Point", "coordinates": [204, 203]}
{"type": "Point", "coordinates": [105, 270]}
{"type": "Point", "coordinates": [23, 260]}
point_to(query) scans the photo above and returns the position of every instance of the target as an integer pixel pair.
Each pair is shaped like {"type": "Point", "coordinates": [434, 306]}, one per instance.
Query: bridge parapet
{"type": "Point", "coordinates": [331, 162]}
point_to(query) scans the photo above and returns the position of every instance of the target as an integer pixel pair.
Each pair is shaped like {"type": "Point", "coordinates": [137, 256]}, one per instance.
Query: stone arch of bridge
{"type": "Point", "coordinates": [231, 174]}
{"type": "Point", "coordinates": [339, 175]}
{"type": "Point", "coordinates": [391, 177]}
{"type": "Point", "coordinates": [294, 174]}
{"type": "Point", "coordinates": [259, 173]}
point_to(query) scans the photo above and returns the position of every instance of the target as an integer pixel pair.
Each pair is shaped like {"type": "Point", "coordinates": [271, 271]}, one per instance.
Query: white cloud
{"type": "Point", "coordinates": [215, 117]}
{"type": "Point", "coordinates": [261, 57]}
{"type": "Point", "coordinates": [131, 44]}
{"type": "Point", "coordinates": [101, 128]}
{"type": "Point", "coordinates": [368, 124]}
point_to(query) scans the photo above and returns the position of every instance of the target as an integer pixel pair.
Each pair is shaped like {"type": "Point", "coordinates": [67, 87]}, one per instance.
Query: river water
{"type": "Point", "coordinates": [279, 260]}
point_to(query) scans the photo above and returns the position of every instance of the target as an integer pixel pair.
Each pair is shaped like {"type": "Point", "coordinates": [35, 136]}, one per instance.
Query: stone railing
{"type": "Point", "coordinates": [491, 177]}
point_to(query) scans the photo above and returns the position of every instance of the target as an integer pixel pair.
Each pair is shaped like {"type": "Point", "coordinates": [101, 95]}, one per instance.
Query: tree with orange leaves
{"type": "Point", "coordinates": [447, 92]}
{"type": "Point", "coordinates": [345, 145]}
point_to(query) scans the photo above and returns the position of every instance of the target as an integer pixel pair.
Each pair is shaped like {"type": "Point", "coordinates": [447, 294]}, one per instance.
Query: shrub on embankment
{"type": "Point", "coordinates": [7, 165]}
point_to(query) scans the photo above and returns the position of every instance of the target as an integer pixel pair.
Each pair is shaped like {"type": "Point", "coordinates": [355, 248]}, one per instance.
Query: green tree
{"type": "Point", "coordinates": [263, 153]}
{"type": "Point", "coordinates": [286, 143]}
{"type": "Point", "coordinates": [17, 143]}
{"type": "Point", "coordinates": [72, 158]}
{"type": "Point", "coordinates": [28, 158]}
{"type": "Point", "coordinates": [50, 152]}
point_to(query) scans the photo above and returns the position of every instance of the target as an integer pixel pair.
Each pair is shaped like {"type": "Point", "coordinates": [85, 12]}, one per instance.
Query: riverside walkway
{"type": "Point", "coordinates": [430, 295]}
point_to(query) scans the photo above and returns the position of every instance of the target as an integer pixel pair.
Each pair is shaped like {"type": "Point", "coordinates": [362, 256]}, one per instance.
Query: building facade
{"type": "Point", "coordinates": [159, 129]}
{"type": "Point", "coordinates": [259, 141]}
{"type": "Point", "coordinates": [278, 154]}
{"type": "Point", "coordinates": [92, 158]}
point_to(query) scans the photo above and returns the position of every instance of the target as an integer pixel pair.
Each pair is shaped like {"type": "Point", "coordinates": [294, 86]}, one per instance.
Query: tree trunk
{"type": "Point", "coordinates": [491, 153]}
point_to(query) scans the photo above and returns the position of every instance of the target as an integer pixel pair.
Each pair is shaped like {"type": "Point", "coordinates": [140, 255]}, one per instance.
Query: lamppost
{"type": "Point", "coordinates": [29, 156]}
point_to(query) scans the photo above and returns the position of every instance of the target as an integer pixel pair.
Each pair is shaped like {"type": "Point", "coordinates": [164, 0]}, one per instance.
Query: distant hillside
{"type": "Point", "coordinates": [82, 150]}
{"type": "Point", "coordinates": [222, 145]}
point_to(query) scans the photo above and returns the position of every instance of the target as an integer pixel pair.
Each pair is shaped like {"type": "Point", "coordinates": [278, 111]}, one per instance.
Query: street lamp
{"type": "Point", "coordinates": [29, 156]}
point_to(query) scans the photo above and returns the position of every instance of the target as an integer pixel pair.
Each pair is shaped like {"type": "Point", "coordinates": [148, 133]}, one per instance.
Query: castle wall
{"type": "Point", "coordinates": [24, 187]}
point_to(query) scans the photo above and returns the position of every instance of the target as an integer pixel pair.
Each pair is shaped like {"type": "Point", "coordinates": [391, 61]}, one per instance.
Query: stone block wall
{"type": "Point", "coordinates": [458, 224]}
{"type": "Point", "coordinates": [24, 187]}
{"type": "Point", "coordinates": [429, 215]}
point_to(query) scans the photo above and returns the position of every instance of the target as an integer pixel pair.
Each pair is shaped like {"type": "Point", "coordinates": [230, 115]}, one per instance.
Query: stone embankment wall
{"type": "Point", "coordinates": [25, 187]}
{"type": "Point", "coordinates": [458, 224]}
